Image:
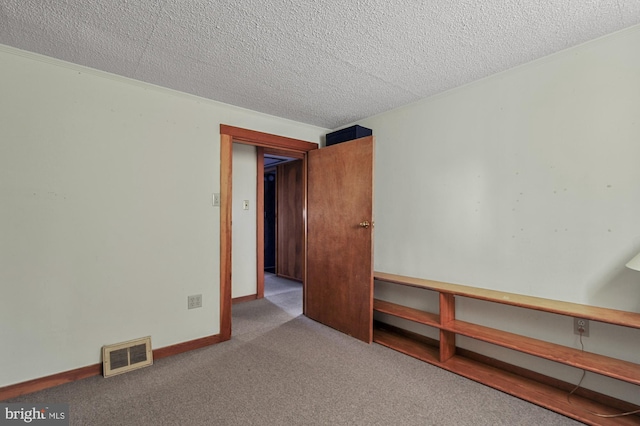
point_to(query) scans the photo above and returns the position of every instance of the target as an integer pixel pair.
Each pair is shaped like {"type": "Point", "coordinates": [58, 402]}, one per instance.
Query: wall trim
{"type": "Point", "coordinates": [242, 299]}
{"type": "Point", "coordinates": [289, 278]}
{"type": "Point", "coordinates": [34, 385]}
{"type": "Point", "coordinates": [187, 346]}
{"type": "Point", "coordinates": [46, 382]}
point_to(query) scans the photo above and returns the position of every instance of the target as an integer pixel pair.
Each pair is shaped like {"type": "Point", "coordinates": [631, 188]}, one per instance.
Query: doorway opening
{"type": "Point", "coordinates": [283, 216]}
{"type": "Point", "coordinates": [337, 291]}
{"type": "Point", "coordinates": [267, 144]}
{"type": "Point", "coordinates": [283, 232]}
{"type": "Point", "coordinates": [269, 195]}
{"type": "Point", "coordinates": [272, 164]}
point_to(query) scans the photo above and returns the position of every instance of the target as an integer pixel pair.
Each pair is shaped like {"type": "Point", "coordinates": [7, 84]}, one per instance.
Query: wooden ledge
{"type": "Point", "coordinates": [594, 313]}
{"type": "Point", "coordinates": [407, 313]}
{"type": "Point", "coordinates": [600, 364]}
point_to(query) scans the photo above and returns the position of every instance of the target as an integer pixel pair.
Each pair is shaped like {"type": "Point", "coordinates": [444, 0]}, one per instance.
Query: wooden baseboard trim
{"type": "Point", "coordinates": [186, 346]}
{"type": "Point", "coordinates": [242, 299]}
{"type": "Point", "coordinates": [30, 386]}
{"type": "Point", "coordinates": [290, 278]}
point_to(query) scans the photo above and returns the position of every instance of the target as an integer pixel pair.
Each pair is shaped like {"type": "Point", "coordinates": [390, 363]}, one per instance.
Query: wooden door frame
{"type": "Point", "coordinates": [274, 144]}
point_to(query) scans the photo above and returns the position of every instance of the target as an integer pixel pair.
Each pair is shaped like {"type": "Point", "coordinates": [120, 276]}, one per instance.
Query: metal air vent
{"type": "Point", "coordinates": [126, 356]}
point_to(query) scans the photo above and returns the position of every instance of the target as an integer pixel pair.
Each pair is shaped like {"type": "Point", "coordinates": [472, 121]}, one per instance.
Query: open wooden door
{"type": "Point", "coordinates": [339, 280]}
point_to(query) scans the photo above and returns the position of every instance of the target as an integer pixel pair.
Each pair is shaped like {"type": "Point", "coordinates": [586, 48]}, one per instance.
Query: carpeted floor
{"type": "Point", "coordinates": [280, 368]}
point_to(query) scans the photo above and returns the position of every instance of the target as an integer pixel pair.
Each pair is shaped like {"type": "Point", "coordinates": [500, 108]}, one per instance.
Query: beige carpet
{"type": "Point", "coordinates": [280, 368]}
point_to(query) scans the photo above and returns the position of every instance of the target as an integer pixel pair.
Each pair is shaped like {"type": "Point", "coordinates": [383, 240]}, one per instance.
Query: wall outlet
{"type": "Point", "coordinates": [581, 326]}
{"type": "Point", "coordinates": [216, 199]}
{"type": "Point", "coordinates": [194, 301]}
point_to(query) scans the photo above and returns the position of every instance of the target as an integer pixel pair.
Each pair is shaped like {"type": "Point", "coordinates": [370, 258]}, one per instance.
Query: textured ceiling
{"type": "Point", "coordinates": [323, 62]}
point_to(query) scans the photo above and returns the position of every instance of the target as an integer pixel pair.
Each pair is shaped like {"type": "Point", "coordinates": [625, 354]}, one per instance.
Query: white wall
{"type": "Point", "coordinates": [244, 267]}
{"type": "Point", "coordinates": [526, 182]}
{"type": "Point", "coordinates": [106, 219]}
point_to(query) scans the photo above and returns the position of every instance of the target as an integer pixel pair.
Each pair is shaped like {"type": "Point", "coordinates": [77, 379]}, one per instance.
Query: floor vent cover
{"type": "Point", "coordinates": [126, 356]}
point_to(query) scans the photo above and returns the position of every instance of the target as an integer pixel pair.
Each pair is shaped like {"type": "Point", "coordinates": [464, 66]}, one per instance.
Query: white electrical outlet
{"type": "Point", "coordinates": [581, 327]}
{"type": "Point", "coordinates": [194, 301]}
{"type": "Point", "coordinates": [216, 199]}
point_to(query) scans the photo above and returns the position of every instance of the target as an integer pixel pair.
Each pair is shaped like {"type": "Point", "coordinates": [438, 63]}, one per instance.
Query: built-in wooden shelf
{"type": "Point", "coordinates": [407, 313]}
{"type": "Point", "coordinates": [545, 393]}
{"type": "Point", "coordinates": [416, 346]}
{"type": "Point", "coordinates": [538, 393]}
{"type": "Point", "coordinates": [610, 316]}
{"type": "Point", "coordinates": [607, 366]}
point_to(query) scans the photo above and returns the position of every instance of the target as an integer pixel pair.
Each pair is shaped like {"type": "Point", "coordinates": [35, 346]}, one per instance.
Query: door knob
{"type": "Point", "coordinates": [365, 224]}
